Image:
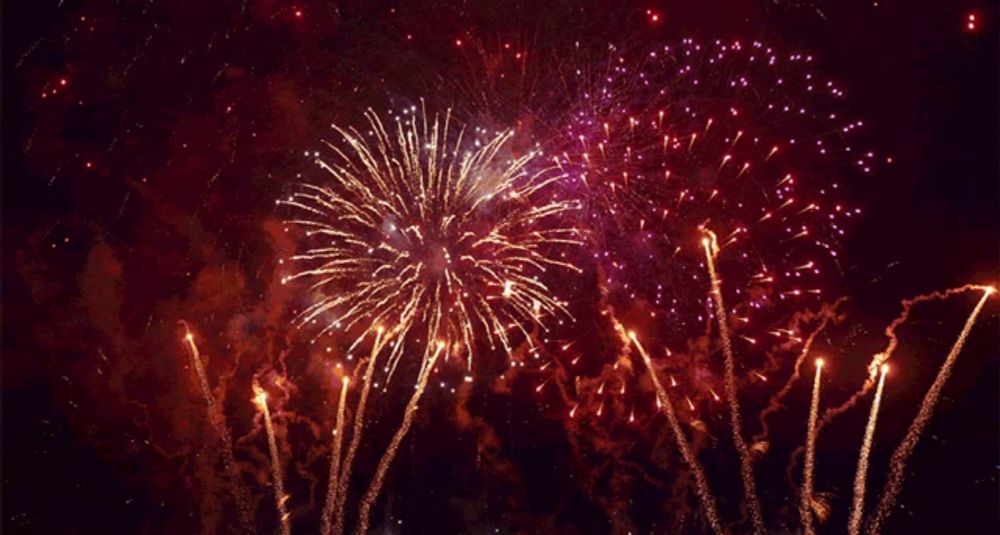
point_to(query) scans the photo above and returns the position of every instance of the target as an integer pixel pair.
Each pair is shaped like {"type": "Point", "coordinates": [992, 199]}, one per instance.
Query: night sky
{"type": "Point", "coordinates": [145, 145]}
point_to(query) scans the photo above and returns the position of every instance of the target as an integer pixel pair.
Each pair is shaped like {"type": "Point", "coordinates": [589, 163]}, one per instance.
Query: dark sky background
{"type": "Point", "coordinates": [145, 143]}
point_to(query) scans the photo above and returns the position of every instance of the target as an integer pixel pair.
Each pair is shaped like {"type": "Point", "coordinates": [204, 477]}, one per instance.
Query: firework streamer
{"type": "Point", "coordinates": [280, 498]}
{"type": "Point", "coordinates": [879, 359]}
{"type": "Point", "coordinates": [368, 501]}
{"type": "Point", "coordinates": [897, 464]}
{"type": "Point", "coordinates": [806, 505]}
{"type": "Point", "coordinates": [749, 486]}
{"type": "Point", "coordinates": [222, 430]}
{"type": "Point", "coordinates": [338, 440]}
{"type": "Point", "coordinates": [701, 482]}
{"type": "Point", "coordinates": [861, 476]}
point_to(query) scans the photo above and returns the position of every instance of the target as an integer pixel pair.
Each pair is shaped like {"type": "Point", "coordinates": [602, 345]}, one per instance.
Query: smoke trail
{"type": "Point", "coordinates": [280, 498]}
{"type": "Point", "coordinates": [219, 426]}
{"type": "Point", "coordinates": [897, 465]}
{"type": "Point", "coordinates": [701, 482]}
{"type": "Point", "coordinates": [338, 439]}
{"type": "Point", "coordinates": [390, 453]}
{"type": "Point", "coordinates": [879, 359]}
{"type": "Point", "coordinates": [860, 478]}
{"type": "Point", "coordinates": [774, 404]}
{"type": "Point", "coordinates": [344, 478]}
{"type": "Point", "coordinates": [805, 506]}
{"type": "Point", "coordinates": [749, 486]}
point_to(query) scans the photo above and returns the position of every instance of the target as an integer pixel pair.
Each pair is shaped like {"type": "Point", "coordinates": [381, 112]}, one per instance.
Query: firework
{"type": "Point", "coordinates": [735, 420]}
{"type": "Point", "coordinates": [446, 241]}
{"type": "Point", "coordinates": [880, 358]}
{"type": "Point", "coordinates": [338, 440]}
{"type": "Point", "coordinates": [861, 476]}
{"type": "Point", "coordinates": [217, 422]}
{"type": "Point", "coordinates": [701, 482]}
{"type": "Point", "coordinates": [897, 465]}
{"type": "Point", "coordinates": [806, 504]}
{"type": "Point", "coordinates": [368, 501]}
{"type": "Point", "coordinates": [418, 230]}
{"type": "Point", "coordinates": [280, 498]}
{"type": "Point", "coordinates": [740, 138]}
{"type": "Point", "coordinates": [344, 477]}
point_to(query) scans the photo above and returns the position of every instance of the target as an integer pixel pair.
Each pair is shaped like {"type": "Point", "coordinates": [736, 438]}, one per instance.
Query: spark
{"type": "Point", "coordinates": [735, 421]}
{"type": "Point", "coordinates": [280, 498]}
{"type": "Point", "coordinates": [897, 465]}
{"type": "Point", "coordinates": [217, 422]}
{"type": "Point", "coordinates": [663, 400]}
{"type": "Point", "coordinates": [805, 507]}
{"type": "Point", "coordinates": [861, 476]}
{"type": "Point", "coordinates": [368, 501]}
{"type": "Point", "coordinates": [338, 440]}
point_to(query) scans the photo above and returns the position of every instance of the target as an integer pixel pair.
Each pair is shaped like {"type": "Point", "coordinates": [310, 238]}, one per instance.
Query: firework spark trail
{"type": "Point", "coordinates": [344, 478]}
{"type": "Point", "coordinates": [368, 501]}
{"type": "Point", "coordinates": [861, 476]}
{"type": "Point", "coordinates": [701, 482]}
{"type": "Point", "coordinates": [879, 359]}
{"type": "Point", "coordinates": [805, 506]}
{"type": "Point", "coordinates": [774, 404]}
{"type": "Point", "coordinates": [749, 486]}
{"type": "Point", "coordinates": [897, 465]}
{"type": "Point", "coordinates": [280, 498]}
{"type": "Point", "coordinates": [225, 439]}
{"type": "Point", "coordinates": [338, 439]}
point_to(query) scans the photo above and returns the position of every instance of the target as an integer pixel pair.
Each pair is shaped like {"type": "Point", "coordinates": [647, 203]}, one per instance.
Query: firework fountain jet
{"type": "Point", "coordinates": [368, 501]}
{"type": "Point", "coordinates": [805, 506]}
{"type": "Point", "coordinates": [280, 498]}
{"type": "Point", "coordinates": [338, 440]}
{"type": "Point", "coordinates": [663, 400]}
{"type": "Point", "coordinates": [897, 465]}
{"type": "Point", "coordinates": [860, 478]}
{"type": "Point", "coordinates": [749, 486]}
{"type": "Point", "coordinates": [222, 430]}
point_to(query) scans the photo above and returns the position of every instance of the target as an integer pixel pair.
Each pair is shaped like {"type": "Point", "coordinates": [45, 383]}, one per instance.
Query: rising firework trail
{"type": "Point", "coordinates": [701, 482]}
{"type": "Point", "coordinates": [806, 504]}
{"type": "Point", "coordinates": [749, 486]}
{"type": "Point", "coordinates": [878, 359]}
{"type": "Point", "coordinates": [897, 464]}
{"type": "Point", "coordinates": [368, 501]}
{"type": "Point", "coordinates": [344, 477]}
{"type": "Point", "coordinates": [338, 439]}
{"type": "Point", "coordinates": [861, 476]}
{"type": "Point", "coordinates": [218, 424]}
{"type": "Point", "coordinates": [280, 498]}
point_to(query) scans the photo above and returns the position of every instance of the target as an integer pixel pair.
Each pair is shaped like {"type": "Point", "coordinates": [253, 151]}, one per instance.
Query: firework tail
{"type": "Point", "coordinates": [368, 501]}
{"type": "Point", "coordinates": [701, 482]}
{"type": "Point", "coordinates": [344, 478]}
{"type": "Point", "coordinates": [218, 425]}
{"type": "Point", "coordinates": [280, 498]}
{"type": "Point", "coordinates": [861, 476]}
{"type": "Point", "coordinates": [749, 486]}
{"type": "Point", "coordinates": [897, 465]}
{"type": "Point", "coordinates": [805, 506]}
{"type": "Point", "coordinates": [338, 439]}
